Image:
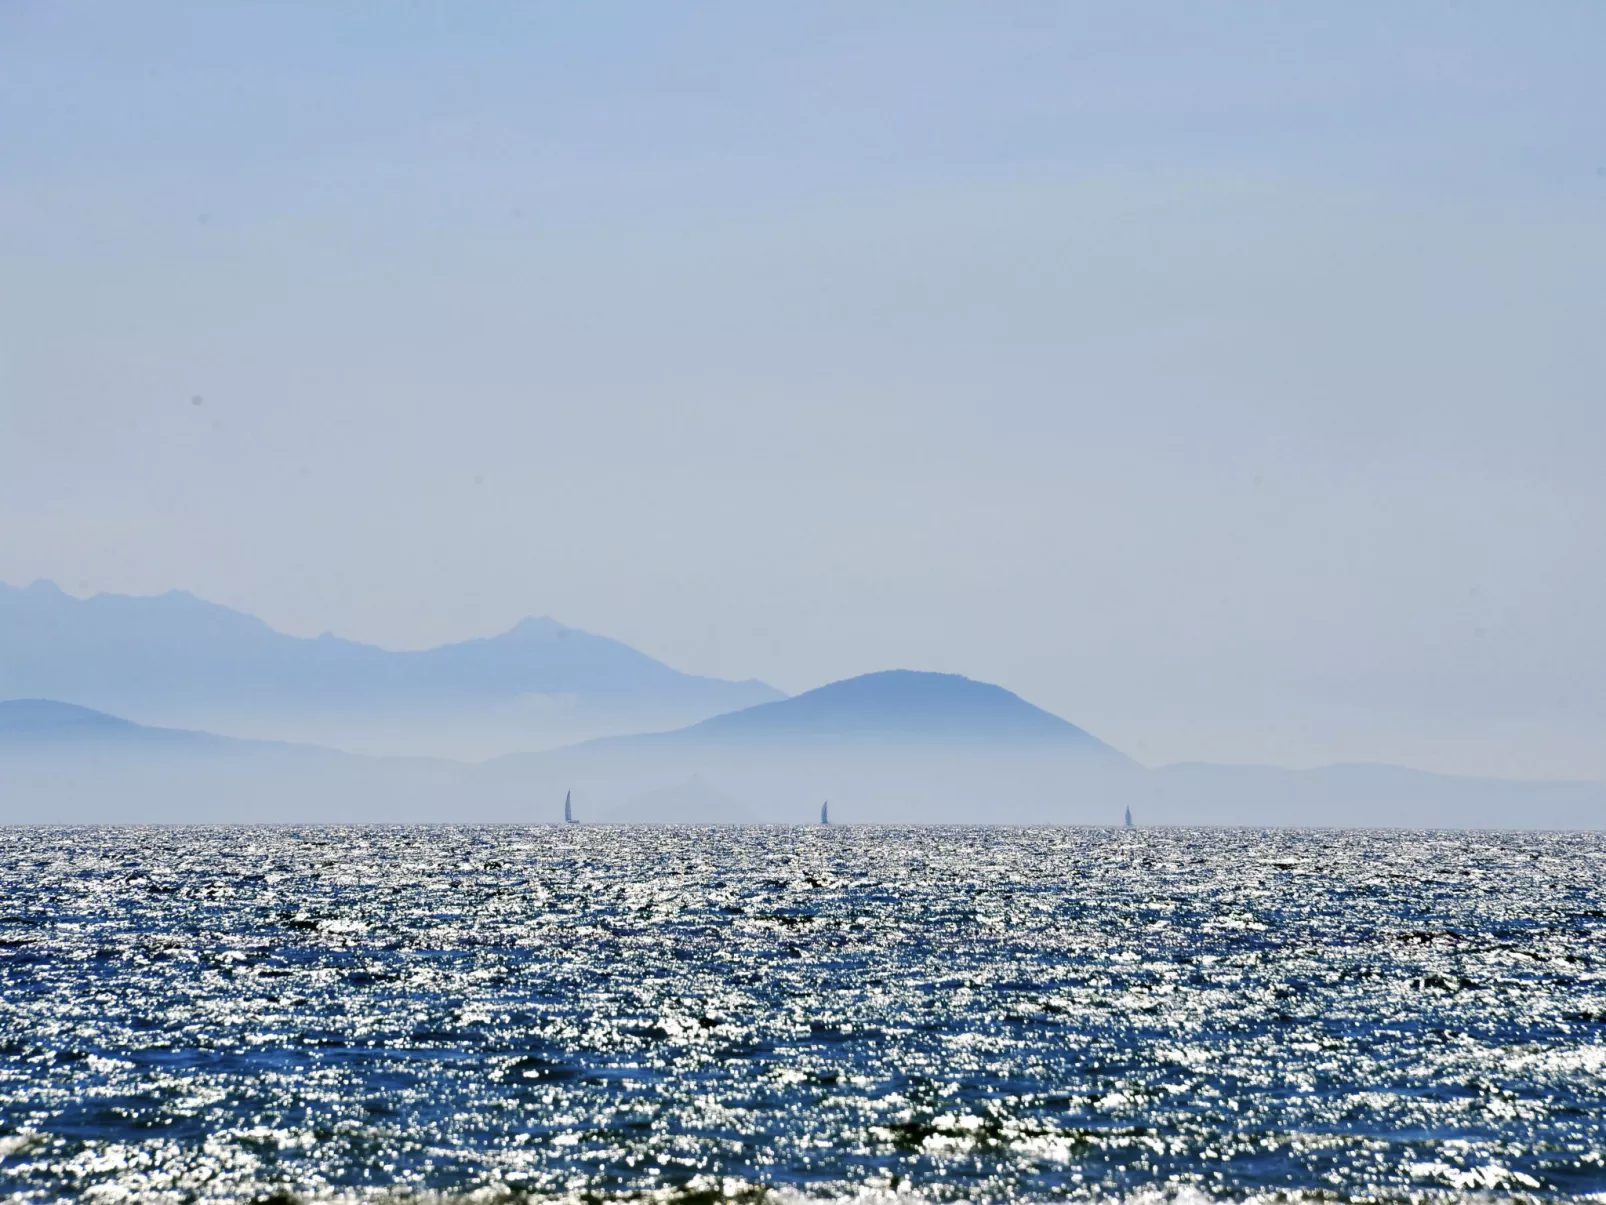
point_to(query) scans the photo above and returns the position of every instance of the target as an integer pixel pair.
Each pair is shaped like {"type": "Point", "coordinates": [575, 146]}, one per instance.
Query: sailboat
{"type": "Point", "coordinates": [825, 812]}
{"type": "Point", "coordinates": [568, 812]}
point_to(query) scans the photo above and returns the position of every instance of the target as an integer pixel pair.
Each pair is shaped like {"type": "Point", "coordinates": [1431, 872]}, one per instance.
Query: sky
{"type": "Point", "coordinates": [1225, 378]}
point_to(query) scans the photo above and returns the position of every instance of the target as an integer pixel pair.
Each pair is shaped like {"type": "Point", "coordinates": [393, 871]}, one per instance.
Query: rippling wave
{"type": "Point", "coordinates": [867, 1013]}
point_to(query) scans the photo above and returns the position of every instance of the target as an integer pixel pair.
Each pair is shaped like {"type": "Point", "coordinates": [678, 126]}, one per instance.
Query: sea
{"type": "Point", "coordinates": [912, 1014]}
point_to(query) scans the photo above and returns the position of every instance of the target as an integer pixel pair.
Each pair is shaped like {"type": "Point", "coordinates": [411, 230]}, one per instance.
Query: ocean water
{"type": "Point", "coordinates": [980, 1014]}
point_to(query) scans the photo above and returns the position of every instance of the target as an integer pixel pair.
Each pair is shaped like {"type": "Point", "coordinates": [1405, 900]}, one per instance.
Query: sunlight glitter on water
{"type": "Point", "coordinates": [949, 1013]}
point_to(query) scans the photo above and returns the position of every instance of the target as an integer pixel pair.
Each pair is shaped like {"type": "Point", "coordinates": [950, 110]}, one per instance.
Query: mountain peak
{"type": "Point", "coordinates": [538, 625]}
{"type": "Point", "coordinates": [177, 659]}
{"type": "Point", "coordinates": [903, 705]}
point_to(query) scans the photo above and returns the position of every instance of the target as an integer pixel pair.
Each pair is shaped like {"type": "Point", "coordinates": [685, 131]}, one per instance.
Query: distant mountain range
{"type": "Point", "coordinates": [175, 660]}
{"type": "Point", "coordinates": [65, 764]}
{"type": "Point", "coordinates": [896, 747]}
{"type": "Point", "coordinates": [900, 706]}
{"type": "Point", "coordinates": [887, 746]}
{"type": "Point", "coordinates": [29, 726]}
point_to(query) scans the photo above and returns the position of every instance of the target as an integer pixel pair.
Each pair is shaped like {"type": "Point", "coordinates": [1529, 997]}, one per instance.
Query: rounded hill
{"type": "Point", "coordinates": [902, 705]}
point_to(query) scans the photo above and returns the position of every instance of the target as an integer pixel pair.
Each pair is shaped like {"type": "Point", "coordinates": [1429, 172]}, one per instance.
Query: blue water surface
{"type": "Point", "coordinates": [979, 1013]}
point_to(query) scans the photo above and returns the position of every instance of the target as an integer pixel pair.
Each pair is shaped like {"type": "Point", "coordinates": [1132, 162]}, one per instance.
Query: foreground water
{"type": "Point", "coordinates": [952, 1013]}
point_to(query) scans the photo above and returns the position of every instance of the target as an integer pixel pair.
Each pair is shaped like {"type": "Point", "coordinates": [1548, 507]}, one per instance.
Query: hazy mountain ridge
{"type": "Point", "coordinates": [901, 704]}
{"type": "Point", "coordinates": [174, 659]}
{"type": "Point", "coordinates": [888, 746]}
{"type": "Point", "coordinates": [65, 764]}
{"type": "Point", "coordinates": [904, 746]}
{"type": "Point", "coordinates": [1370, 795]}
{"type": "Point", "coordinates": [43, 723]}
{"type": "Point", "coordinates": [893, 747]}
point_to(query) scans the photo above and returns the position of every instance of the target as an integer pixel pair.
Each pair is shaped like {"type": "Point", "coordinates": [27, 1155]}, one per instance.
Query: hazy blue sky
{"type": "Point", "coordinates": [1228, 378]}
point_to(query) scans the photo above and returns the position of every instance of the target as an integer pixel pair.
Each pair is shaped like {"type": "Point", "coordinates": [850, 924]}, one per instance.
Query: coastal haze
{"type": "Point", "coordinates": [888, 747]}
{"type": "Point", "coordinates": [1227, 382]}
{"type": "Point", "coordinates": [176, 661]}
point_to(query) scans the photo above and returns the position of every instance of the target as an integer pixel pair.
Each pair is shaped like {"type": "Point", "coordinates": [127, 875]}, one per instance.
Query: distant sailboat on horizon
{"type": "Point", "coordinates": [568, 812]}
{"type": "Point", "coordinates": [825, 812]}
